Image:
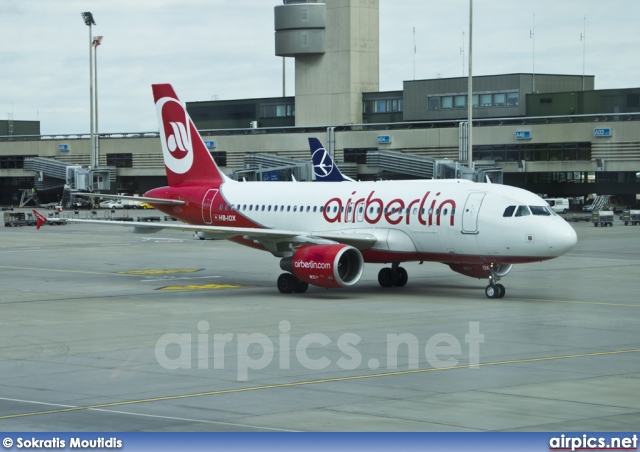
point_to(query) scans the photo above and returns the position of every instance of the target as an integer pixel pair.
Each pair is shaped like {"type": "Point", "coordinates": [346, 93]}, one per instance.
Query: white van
{"type": "Point", "coordinates": [559, 205]}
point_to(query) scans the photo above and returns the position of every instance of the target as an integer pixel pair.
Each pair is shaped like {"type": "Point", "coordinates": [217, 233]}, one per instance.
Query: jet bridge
{"type": "Point", "coordinates": [391, 164]}
{"type": "Point", "coordinates": [51, 174]}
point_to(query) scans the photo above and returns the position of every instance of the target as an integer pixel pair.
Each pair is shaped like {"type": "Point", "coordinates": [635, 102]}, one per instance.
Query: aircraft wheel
{"type": "Point", "coordinates": [491, 291]}
{"type": "Point", "coordinates": [386, 277]}
{"type": "Point", "coordinates": [402, 278]}
{"type": "Point", "coordinates": [286, 283]}
{"type": "Point", "coordinates": [501, 290]}
{"type": "Point", "coordinates": [301, 286]}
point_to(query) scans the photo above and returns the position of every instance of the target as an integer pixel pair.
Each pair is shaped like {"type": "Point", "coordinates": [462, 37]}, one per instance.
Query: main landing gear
{"type": "Point", "coordinates": [393, 276]}
{"type": "Point", "coordinates": [287, 283]}
{"type": "Point", "coordinates": [494, 290]}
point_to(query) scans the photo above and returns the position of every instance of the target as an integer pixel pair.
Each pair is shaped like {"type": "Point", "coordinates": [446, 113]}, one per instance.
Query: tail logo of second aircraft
{"type": "Point", "coordinates": [323, 167]}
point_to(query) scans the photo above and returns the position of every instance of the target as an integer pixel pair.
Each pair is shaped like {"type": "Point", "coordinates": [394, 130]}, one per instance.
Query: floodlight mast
{"type": "Point", "coordinates": [470, 90]}
{"type": "Point", "coordinates": [89, 21]}
{"type": "Point", "coordinates": [96, 42]}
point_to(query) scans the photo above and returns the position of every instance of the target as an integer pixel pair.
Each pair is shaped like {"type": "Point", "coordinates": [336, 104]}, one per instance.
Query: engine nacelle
{"type": "Point", "coordinates": [329, 266]}
{"type": "Point", "coordinates": [481, 271]}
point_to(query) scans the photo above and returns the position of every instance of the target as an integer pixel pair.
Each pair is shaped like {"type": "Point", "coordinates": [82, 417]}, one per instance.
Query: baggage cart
{"type": "Point", "coordinates": [602, 218]}
{"type": "Point", "coordinates": [631, 216]}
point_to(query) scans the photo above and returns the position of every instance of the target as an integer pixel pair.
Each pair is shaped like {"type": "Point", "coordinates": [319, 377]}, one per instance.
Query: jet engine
{"type": "Point", "coordinates": [329, 266]}
{"type": "Point", "coordinates": [481, 271]}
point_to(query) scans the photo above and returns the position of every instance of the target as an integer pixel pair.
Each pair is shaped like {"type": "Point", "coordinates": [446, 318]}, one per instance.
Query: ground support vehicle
{"type": "Point", "coordinates": [602, 218]}
{"type": "Point", "coordinates": [631, 216]}
{"type": "Point", "coordinates": [17, 219]}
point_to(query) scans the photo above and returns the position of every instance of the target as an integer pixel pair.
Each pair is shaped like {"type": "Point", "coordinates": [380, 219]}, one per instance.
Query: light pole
{"type": "Point", "coordinates": [96, 42]}
{"type": "Point", "coordinates": [88, 20]}
{"type": "Point", "coordinates": [470, 88]}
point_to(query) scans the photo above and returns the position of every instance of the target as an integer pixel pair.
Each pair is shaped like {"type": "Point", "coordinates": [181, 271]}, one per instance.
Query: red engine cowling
{"type": "Point", "coordinates": [480, 271]}
{"type": "Point", "coordinates": [329, 266]}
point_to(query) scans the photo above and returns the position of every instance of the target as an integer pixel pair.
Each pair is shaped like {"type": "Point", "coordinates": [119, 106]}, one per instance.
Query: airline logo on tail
{"type": "Point", "coordinates": [323, 166]}
{"type": "Point", "coordinates": [177, 146]}
{"type": "Point", "coordinates": [187, 159]}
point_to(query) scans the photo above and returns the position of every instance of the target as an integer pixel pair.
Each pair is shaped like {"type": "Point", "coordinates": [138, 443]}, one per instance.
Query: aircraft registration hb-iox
{"type": "Point", "coordinates": [323, 233]}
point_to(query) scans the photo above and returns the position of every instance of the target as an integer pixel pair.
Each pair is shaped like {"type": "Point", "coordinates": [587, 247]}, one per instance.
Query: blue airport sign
{"type": "Point", "coordinates": [602, 132]}
{"type": "Point", "coordinates": [523, 134]}
{"type": "Point", "coordinates": [210, 144]}
{"type": "Point", "coordinates": [384, 139]}
{"type": "Point", "coordinates": [273, 175]}
{"type": "Point", "coordinates": [63, 147]}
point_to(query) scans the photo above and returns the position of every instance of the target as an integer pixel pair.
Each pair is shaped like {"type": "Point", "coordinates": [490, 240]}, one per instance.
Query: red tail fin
{"type": "Point", "coordinates": [186, 158]}
{"type": "Point", "coordinates": [40, 219]}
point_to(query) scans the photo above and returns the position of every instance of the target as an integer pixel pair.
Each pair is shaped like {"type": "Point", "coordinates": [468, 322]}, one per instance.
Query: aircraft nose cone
{"type": "Point", "coordinates": [561, 238]}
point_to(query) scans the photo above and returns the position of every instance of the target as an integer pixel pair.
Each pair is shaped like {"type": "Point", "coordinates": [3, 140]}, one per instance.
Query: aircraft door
{"type": "Point", "coordinates": [360, 212]}
{"type": "Point", "coordinates": [349, 214]}
{"type": "Point", "coordinates": [207, 205]}
{"type": "Point", "coordinates": [471, 211]}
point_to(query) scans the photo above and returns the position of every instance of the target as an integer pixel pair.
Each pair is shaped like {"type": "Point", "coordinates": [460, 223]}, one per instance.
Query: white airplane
{"type": "Point", "coordinates": [324, 233]}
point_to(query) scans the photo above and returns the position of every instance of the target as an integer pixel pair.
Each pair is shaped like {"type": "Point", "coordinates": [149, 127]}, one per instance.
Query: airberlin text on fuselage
{"type": "Point", "coordinates": [337, 211]}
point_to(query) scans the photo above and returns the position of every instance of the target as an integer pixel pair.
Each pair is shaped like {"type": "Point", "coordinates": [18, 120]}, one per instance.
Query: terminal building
{"type": "Point", "coordinates": [552, 134]}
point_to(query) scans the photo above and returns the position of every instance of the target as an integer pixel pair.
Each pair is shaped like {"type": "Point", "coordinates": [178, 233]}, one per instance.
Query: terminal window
{"type": "Point", "coordinates": [220, 157]}
{"type": "Point", "coordinates": [12, 161]}
{"type": "Point", "coordinates": [120, 160]}
{"type": "Point", "coordinates": [277, 110]}
{"type": "Point", "coordinates": [387, 105]}
{"type": "Point", "coordinates": [484, 100]}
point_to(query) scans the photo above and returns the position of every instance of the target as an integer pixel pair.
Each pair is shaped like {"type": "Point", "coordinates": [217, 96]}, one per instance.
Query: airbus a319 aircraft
{"type": "Point", "coordinates": [324, 233]}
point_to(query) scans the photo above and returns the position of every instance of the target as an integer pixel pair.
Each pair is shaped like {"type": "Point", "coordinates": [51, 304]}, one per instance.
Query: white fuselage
{"type": "Point", "coordinates": [441, 219]}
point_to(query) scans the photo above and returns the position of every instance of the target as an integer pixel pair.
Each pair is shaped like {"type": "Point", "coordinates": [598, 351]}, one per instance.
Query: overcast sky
{"type": "Point", "coordinates": [225, 49]}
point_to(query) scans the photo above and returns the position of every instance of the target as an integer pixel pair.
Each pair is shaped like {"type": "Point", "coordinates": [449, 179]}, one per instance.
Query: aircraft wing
{"type": "Point", "coordinates": [170, 202]}
{"type": "Point", "coordinates": [360, 240]}
{"type": "Point", "coordinates": [268, 237]}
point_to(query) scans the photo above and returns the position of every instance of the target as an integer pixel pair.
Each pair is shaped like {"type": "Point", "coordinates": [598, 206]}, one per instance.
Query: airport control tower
{"type": "Point", "coordinates": [336, 47]}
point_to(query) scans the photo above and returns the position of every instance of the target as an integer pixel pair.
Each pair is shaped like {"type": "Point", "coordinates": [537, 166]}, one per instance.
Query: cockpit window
{"type": "Point", "coordinates": [540, 210]}
{"type": "Point", "coordinates": [522, 211]}
{"type": "Point", "coordinates": [508, 212]}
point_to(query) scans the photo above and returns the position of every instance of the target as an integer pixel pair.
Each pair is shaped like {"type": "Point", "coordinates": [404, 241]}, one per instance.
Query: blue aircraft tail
{"type": "Point", "coordinates": [323, 165]}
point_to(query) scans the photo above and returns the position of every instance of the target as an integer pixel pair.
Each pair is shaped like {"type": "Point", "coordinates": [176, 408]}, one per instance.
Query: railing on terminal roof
{"type": "Point", "coordinates": [480, 122]}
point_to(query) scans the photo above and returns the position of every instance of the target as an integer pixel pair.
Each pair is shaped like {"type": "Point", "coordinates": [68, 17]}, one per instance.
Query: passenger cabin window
{"type": "Point", "coordinates": [508, 212]}
{"type": "Point", "coordinates": [522, 211]}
